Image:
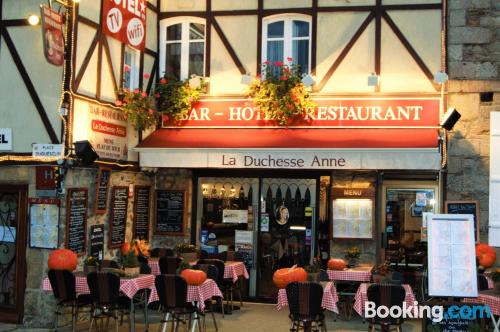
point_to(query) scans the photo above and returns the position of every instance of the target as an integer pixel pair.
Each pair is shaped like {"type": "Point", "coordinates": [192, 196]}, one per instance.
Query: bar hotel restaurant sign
{"type": "Point", "coordinates": [339, 133]}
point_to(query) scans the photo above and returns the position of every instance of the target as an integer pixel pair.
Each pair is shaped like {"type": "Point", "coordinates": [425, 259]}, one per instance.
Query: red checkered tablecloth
{"type": "Point", "coordinates": [487, 298]}
{"type": "Point", "coordinates": [128, 286]}
{"type": "Point", "coordinates": [491, 283]}
{"type": "Point", "coordinates": [232, 270]}
{"type": "Point", "coordinates": [361, 297]}
{"type": "Point", "coordinates": [350, 275]}
{"type": "Point", "coordinates": [199, 294]}
{"type": "Point", "coordinates": [329, 302]}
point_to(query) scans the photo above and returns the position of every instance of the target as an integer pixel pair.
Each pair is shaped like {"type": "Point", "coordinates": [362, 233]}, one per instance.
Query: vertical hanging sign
{"type": "Point", "coordinates": [53, 41]}
{"type": "Point", "coordinates": [125, 20]}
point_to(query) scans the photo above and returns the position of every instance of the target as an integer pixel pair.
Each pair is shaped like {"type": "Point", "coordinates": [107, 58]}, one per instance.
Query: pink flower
{"type": "Point", "coordinates": [163, 81]}
{"type": "Point", "coordinates": [289, 59]}
{"type": "Point", "coordinates": [146, 75]}
{"type": "Point", "coordinates": [126, 68]}
{"type": "Point", "coordinates": [157, 95]}
{"type": "Point", "coordinates": [284, 78]}
{"type": "Point", "coordinates": [118, 103]}
{"type": "Point", "coordinates": [136, 90]}
{"type": "Point", "coordinates": [144, 94]}
{"type": "Point", "coordinates": [266, 62]}
{"type": "Point", "coordinates": [151, 112]}
{"type": "Point", "coordinates": [164, 118]}
{"type": "Point", "coordinates": [278, 63]}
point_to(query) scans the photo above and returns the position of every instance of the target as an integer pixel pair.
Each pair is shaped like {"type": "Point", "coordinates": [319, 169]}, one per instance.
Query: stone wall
{"type": "Point", "coordinates": [473, 39]}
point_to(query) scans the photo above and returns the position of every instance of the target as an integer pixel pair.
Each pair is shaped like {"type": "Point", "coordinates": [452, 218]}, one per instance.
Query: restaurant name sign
{"type": "Point", "coordinates": [125, 20]}
{"type": "Point", "coordinates": [53, 41]}
{"type": "Point", "coordinates": [328, 113]}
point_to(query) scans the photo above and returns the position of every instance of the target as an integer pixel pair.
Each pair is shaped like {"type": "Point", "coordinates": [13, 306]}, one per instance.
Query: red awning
{"type": "Point", "coordinates": [291, 138]}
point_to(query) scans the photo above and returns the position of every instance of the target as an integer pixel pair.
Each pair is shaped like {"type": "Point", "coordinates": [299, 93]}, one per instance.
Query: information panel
{"type": "Point", "coordinates": [118, 217]}
{"type": "Point", "coordinates": [101, 195]}
{"type": "Point", "coordinates": [97, 241]}
{"type": "Point", "coordinates": [451, 256]}
{"type": "Point", "coordinates": [141, 212]}
{"type": "Point", "coordinates": [44, 224]}
{"type": "Point", "coordinates": [170, 209]}
{"type": "Point", "coordinates": [76, 219]}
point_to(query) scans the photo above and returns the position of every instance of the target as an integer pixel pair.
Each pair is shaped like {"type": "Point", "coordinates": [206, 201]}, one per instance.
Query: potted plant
{"type": "Point", "coordinates": [130, 263]}
{"type": "Point", "coordinates": [279, 92]}
{"type": "Point", "coordinates": [175, 98]}
{"type": "Point", "coordinates": [313, 269]}
{"type": "Point", "coordinates": [352, 256]}
{"type": "Point", "coordinates": [495, 275]}
{"type": "Point", "coordinates": [90, 264]}
{"type": "Point", "coordinates": [187, 251]}
{"type": "Point", "coordinates": [139, 108]}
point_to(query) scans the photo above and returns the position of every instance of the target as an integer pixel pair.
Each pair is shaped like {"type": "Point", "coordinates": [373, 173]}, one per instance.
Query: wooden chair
{"type": "Point", "coordinates": [169, 265]}
{"type": "Point", "coordinates": [304, 301]}
{"type": "Point", "coordinates": [388, 295]}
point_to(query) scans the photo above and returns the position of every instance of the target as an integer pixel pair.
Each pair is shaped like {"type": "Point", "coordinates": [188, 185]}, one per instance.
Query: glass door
{"type": "Point", "coordinates": [286, 228]}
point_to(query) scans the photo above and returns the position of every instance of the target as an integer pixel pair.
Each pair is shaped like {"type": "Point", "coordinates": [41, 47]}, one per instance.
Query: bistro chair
{"type": "Point", "coordinates": [482, 282]}
{"type": "Point", "coordinates": [105, 291]}
{"type": "Point", "coordinates": [388, 295]}
{"type": "Point", "coordinates": [169, 265]}
{"type": "Point", "coordinates": [172, 292]}
{"type": "Point", "coordinates": [323, 276]}
{"type": "Point", "coordinates": [212, 273]}
{"type": "Point", "coordinates": [160, 252]}
{"type": "Point", "coordinates": [397, 278]}
{"type": "Point", "coordinates": [234, 256]}
{"type": "Point", "coordinates": [304, 300]}
{"type": "Point", "coordinates": [63, 286]}
{"type": "Point", "coordinates": [225, 286]}
{"type": "Point", "coordinates": [109, 264]}
{"type": "Point", "coordinates": [346, 291]}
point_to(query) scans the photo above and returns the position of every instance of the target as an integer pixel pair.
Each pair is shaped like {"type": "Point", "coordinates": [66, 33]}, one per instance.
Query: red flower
{"type": "Point", "coordinates": [290, 106]}
{"type": "Point", "coordinates": [118, 103]}
{"type": "Point", "coordinates": [164, 118]}
{"type": "Point", "coordinates": [151, 112]}
{"type": "Point", "coordinates": [284, 78]}
{"type": "Point", "coordinates": [136, 90]}
{"type": "Point", "coordinates": [144, 94]}
{"type": "Point", "coordinates": [163, 81]}
{"type": "Point", "coordinates": [157, 95]}
{"type": "Point", "coordinates": [126, 68]}
{"type": "Point", "coordinates": [266, 62]}
{"type": "Point", "coordinates": [289, 59]}
{"type": "Point", "coordinates": [286, 69]}
{"type": "Point", "coordinates": [278, 63]}
{"type": "Point", "coordinates": [146, 75]}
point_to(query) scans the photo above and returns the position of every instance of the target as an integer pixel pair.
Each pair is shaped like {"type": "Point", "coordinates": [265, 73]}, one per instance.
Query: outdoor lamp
{"type": "Point", "coordinates": [450, 118]}
{"type": "Point", "coordinates": [308, 80]}
{"type": "Point", "coordinates": [440, 77]}
{"type": "Point", "coordinates": [33, 19]}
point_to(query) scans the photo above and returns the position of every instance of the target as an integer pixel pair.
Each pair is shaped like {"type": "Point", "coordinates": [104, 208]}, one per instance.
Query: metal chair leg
{"type": "Point", "coordinates": [74, 312]}
{"type": "Point", "coordinates": [215, 322]}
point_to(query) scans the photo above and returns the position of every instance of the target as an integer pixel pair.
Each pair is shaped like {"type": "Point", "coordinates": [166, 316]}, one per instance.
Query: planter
{"type": "Point", "coordinates": [352, 262]}
{"type": "Point", "coordinates": [189, 256]}
{"type": "Point", "coordinates": [89, 268]}
{"type": "Point", "coordinates": [131, 271]}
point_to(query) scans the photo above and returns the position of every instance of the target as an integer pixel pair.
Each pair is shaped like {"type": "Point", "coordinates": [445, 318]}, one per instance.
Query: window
{"type": "Point", "coordinates": [130, 68]}
{"type": "Point", "coordinates": [183, 47]}
{"type": "Point", "coordinates": [288, 37]}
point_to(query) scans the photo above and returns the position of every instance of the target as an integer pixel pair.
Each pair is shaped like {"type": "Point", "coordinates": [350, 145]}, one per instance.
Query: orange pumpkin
{"type": "Point", "coordinates": [336, 264]}
{"type": "Point", "coordinates": [63, 259]}
{"type": "Point", "coordinates": [283, 277]}
{"type": "Point", "coordinates": [194, 277]}
{"type": "Point", "coordinates": [487, 255]}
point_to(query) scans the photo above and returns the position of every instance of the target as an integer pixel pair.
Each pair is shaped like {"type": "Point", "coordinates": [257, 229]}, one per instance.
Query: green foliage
{"type": "Point", "coordinates": [495, 275]}
{"type": "Point", "coordinates": [139, 107]}
{"type": "Point", "coordinates": [185, 247]}
{"type": "Point", "coordinates": [175, 98]}
{"type": "Point", "coordinates": [280, 94]}
{"type": "Point", "coordinates": [183, 266]}
{"type": "Point", "coordinates": [352, 253]}
{"type": "Point", "coordinates": [90, 261]}
{"type": "Point", "coordinates": [130, 259]}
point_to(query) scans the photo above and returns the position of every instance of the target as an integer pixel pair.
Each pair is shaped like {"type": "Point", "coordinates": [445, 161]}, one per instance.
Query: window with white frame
{"type": "Point", "coordinates": [286, 37]}
{"type": "Point", "coordinates": [182, 47]}
{"type": "Point", "coordinates": [130, 68]}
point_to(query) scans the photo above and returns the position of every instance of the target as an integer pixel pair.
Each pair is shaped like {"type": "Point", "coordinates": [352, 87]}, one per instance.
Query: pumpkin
{"type": "Point", "coordinates": [194, 277]}
{"type": "Point", "coordinates": [62, 259]}
{"type": "Point", "coordinates": [283, 277]}
{"type": "Point", "coordinates": [336, 264]}
{"type": "Point", "coordinates": [486, 255]}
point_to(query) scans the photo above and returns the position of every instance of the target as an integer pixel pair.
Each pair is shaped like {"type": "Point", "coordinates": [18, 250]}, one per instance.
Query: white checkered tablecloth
{"type": "Point", "coordinates": [232, 270]}
{"type": "Point", "coordinates": [128, 286]}
{"type": "Point", "coordinates": [329, 302]}
{"type": "Point", "coordinates": [199, 294]}
{"type": "Point", "coordinates": [361, 297]}
{"type": "Point", "coordinates": [350, 275]}
{"type": "Point", "coordinates": [491, 300]}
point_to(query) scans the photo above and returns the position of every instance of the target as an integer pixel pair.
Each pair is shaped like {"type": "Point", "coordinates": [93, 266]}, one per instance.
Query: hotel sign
{"type": "Point", "coordinates": [125, 20]}
{"type": "Point", "coordinates": [328, 113]}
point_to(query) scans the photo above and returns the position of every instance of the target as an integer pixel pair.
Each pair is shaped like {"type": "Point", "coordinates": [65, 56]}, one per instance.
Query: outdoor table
{"type": "Point", "coordinates": [128, 286]}
{"type": "Point", "coordinates": [361, 273]}
{"type": "Point", "coordinates": [362, 296]}
{"type": "Point", "coordinates": [329, 302]}
{"type": "Point", "coordinates": [199, 294]}
{"type": "Point", "coordinates": [488, 297]}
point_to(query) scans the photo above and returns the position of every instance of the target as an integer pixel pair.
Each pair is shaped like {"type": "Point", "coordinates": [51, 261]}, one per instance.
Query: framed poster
{"type": "Point", "coordinates": [118, 217]}
{"type": "Point", "coordinates": [101, 192]}
{"type": "Point", "coordinates": [141, 212]}
{"type": "Point", "coordinates": [451, 255]}
{"type": "Point", "coordinates": [44, 224]}
{"type": "Point", "coordinates": [465, 207]}
{"type": "Point", "coordinates": [170, 212]}
{"type": "Point", "coordinates": [76, 219]}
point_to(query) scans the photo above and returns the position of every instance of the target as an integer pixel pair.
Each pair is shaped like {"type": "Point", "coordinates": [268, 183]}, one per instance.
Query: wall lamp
{"type": "Point", "coordinates": [440, 77]}
{"type": "Point", "coordinates": [308, 80]}
{"type": "Point", "coordinates": [450, 119]}
{"type": "Point", "coordinates": [33, 19]}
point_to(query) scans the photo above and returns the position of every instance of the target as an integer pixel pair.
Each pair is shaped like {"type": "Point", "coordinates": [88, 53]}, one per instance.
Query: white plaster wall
{"type": "Point", "coordinates": [234, 5]}
{"type": "Point", "coordinates": [90, 9]}
{"type": "Point", "coordinates": [271, 4]}
{"type": "Point", "coordinates": [182, 5]}
{"type": "Point", "coordinates": [151, 32]}
{"type": "Point", "coordinates": [327, 3]}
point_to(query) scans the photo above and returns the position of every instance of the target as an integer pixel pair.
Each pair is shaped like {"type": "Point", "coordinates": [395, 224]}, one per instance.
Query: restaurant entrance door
{"type": "Point", "coordinates": [286, 228]}
{"type": "Point", "coordinates": [12, 252]}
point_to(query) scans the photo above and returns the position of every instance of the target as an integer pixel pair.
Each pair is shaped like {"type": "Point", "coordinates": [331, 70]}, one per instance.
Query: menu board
{"type": "Point", "coordinates": [101, 195]}
{"type": "Point", "coordinates": [118, 216]}
{"type": "Point", "coordinates": [44, 224]}
{"type": "Point", "coordinates": [465, 207]}
{"type": "Point", "coordinates": [456, 323]}
{"type": "Point", "coordinates": [76, 219]}
{"type": "Point", "coordinates": [353, 218]}
{"type": "Point", "coordinates": [170, 206]}
{"type": "Point", "coordinates": [96, 241]}
{"type": "Point", "coordinates": [451, 256]}
{"type": "Point", "coordinates": [141, 212]}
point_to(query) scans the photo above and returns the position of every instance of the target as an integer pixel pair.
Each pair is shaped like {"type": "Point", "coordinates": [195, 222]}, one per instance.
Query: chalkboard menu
{"type": "Point", "coordinates": [96, 241]}
{"type": "Point", "coordinates": [76, 219]}
{"type": "Point", "coordinates": [141, 212]}
{"type": "Point", "coordinates": [170, 206]}
{"type": "Point", "coordinates": [465, 207]}
{"type": "Point", "coordinates": [118, 216]}
{"type": "Point", "coordinates": [448, 324]}
{"type": "Point", "coordinates": [101, 195]}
